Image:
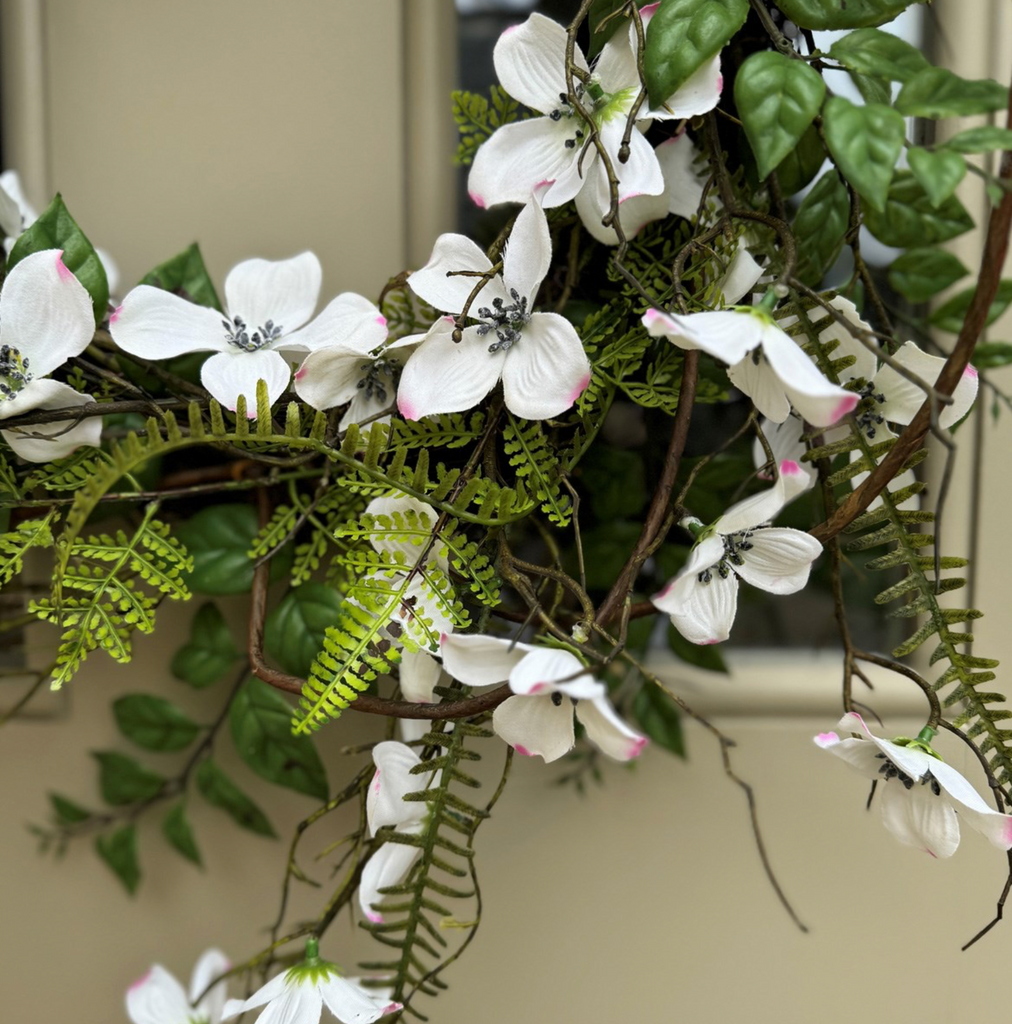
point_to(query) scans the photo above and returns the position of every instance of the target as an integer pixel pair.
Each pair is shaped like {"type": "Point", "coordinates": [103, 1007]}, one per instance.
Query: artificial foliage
{"type": "Point", "coordinates": [681, 277]}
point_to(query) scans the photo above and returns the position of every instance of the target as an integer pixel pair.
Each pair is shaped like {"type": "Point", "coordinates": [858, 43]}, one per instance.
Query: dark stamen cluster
{"type": "Point", "coordinates": [371, 383]}
{"type": "Point", "coordinates": [890, 771]}
{"type": "Point", "coordinates": [868, 417]}
{"type": "Point", "coordinates": [565, 110]}
{"type": "Point", "coordinates": [240, 337]}
{"type": "Point", "coordinates": [734, 545]}
{"type": "Point", "coordinates": [506, 321]}
{"type": "Point", "coordinates": [14, 374]}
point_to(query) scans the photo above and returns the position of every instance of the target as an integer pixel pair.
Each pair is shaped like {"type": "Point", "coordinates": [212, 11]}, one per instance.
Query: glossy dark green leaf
{"type": "Point", "coordinates": [981, 140]}
{"type": "Point", "coordinates": [865, 141]}
{"type": "Point", "coordinates": [802, 164]}
{"type": "Point", "coordinates": [56, 229]}
{"type": "Point", "coordinates": [293, 632]}
{"type": "Point", "coordinates": [682, 36]}
{"type": "Point", "coordinates": [872, 89]}
{"type": "Point", "coordinates": [154, 723]}
{"type": "Point", "coordinates": [922, 274]}
{"type": "Point", "coordinates": [819, 225]}
{"type": "Point", "coordinates": [936, 92]}
{"type": "Point", "coordinates": [777, 99]}
{"type": "Point", "coordinates": [220, 791]}
{"type": "Point", "coordinates": [210, 651]}
{"type": "Point", "coordinates": [950, 315]}
{"type": "Point", "coordinates": [119, 851]}
{"type": "Point", "coordinates": [659, 718]}
{"type": "Point", "coordinates": [992, 354]}
{"type": "Point", "coordinates": [842, 13]}
{"type": "Point", "coordinates": [186, 276]}
{"type": "Point", "coordinates": [219, 539]}
{"type": "Point", "coordinates": [122, 780]}
{"type": "Point", "coordinates": [176, 829]}
{"type": "Point", "coordinates": [911, 220]}
{"type": "Point", "coordinates": [705, 656]}
{"type": "Point", "coordinates": [602, 30]}
{"type": "Point", "coordinates": [67, 812]}
{"type": "Point", "coordinates": [938, 173]}
{"type": "Point", "coordinates": [261, 723]}
{"type": "Point", "coordinates": [871, 51]}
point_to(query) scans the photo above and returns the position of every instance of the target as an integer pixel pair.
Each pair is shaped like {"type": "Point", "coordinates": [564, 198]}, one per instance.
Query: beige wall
{"type": "Point", "coordinates": [644, 900]}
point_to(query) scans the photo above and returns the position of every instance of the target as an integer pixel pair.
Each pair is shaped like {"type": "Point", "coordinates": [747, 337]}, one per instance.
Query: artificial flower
{"type": "Point", "coordinates": [386, 806]}
{"type": "Point", "coordinates": [45, 318]}
{"type": "Point", "coordinates": [547, 683]}
{"type": "Point", "coordinates": [298, 995]}
{"type": "Point", "coordinates": [539, 356]}
{"type": "Point", "coordinates": [554, 150]}
{"type": "Point", "coordinates": [419, 674]}
{"type": "Point", "coordinates": [703, 598]}
{"type": "Point", "coordinates": [923, 798]}
{"type": "Point", "coordinates": [158, 998]}
{"type": "Point", "coordinates": [267, 304]}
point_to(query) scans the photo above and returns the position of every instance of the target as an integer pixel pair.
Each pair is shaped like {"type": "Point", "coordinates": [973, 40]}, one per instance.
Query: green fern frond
{"type": "Point", "coordinates": [32, 533]}
{"type": "Point", "coordinates": [477, 118]}
{"type": "Point", "coordinates": [530, 454]}
{"type": "Point", "coordinates": [445, 430]}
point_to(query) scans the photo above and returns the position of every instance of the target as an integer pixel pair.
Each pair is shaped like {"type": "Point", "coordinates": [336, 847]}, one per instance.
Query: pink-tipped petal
{"type": "Point", "coordinates": [607, 731]}
{"type": "Point", "coordinates": [230, 374]}
{"type": "Point", "coordinates": [537, 724]}
{"type": "Point", "coordinates": [350, 321]}
{"type": "Point", "coordinates": [530, 60]}
{"type": "Point", "coordinates": [155, 324]}
{"type": "Point", "coordinates": [478, 660]}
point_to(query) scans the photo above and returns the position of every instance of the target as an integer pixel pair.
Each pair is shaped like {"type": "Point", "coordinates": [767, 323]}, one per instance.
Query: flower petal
{"type": "Point", "coordinates": [904, 397]}
{"type": "Point", "coordinates": [418, 676]}
{"type": "Point", "coordinates": [683, 183]}
{"type": "Point", "coordinates": [444, 376]}
{"type": "Point", "coordinates": [330, 376]}
{"type": "Point", "coordinates": [350, 321]}
{"type": "Point", "coordinates": [699, 94]}
{"type": "Point", "coordinates": [43, 442]}
{"type": "Point", "coordinates": [230, 374]}
{"type": "Point", "coordinates": [740, 277]}
{"type": "Point", "coordinates": [155, 324]}
{"type": "Point", "coordinates": [536, 725]}
{"type": "Point", "coordinates": [528, 253]}
{"type": "Point", "coordinates": [351, 1003]}
{"type": "Point", "coordinates": [385, 803]}
{"type": "Point", "coordinates": [708, 614]}
{"type": "Point", "coordinates": [212, 962]}
{"type": "Point", "coordinates": [546, 371]}
{"type": "Point", "coordinates": [157, 998]}
{"type": "Point", "coordinates": [393, 538]}
{"type": "Point", "coordinates": [916, 817]}
{"type": "Point", "coordinates": [271, 990]}
{"type": "Point", "coordinates": [478, 660]}
{"type": "Point", "coordinates": [678, 591]}
{"type": "Point", "coordinates": [546, 670]}
{"type": "Point", "coordinates": [11, 221]}
{"type": "Point", "coordinates": [440, 284]}
{"type": "Point", "coordinates": [764, 506]}
{"type": "Point", "coordinates": [616, 69]}
{"type": "Point", "coordinates": [865, 362]}
{"type": "Point", "coordinates": [633, 214]}
{"type": "Point", "coordinates": [753, 376]}
{"type": "Point", "coordinates": [45, 312]}
{"type": "Point", "coordinates": [997, 827]}
{"type": "Point", "coordinates": [785, 441]}
{"type": "Point", "coordinates": [862, 756]}
{"type": "Point", "coordinates": [387, 866]}
{"type": "Point", "coordinates": [300, 1003]}
{"type": "Point", "coordinates": [780, 559]}
{"type": "Point", "coordinates": [530, 60]}
{"type": "Point", "coordinates": [283, 291]}
{"type": "Point", "coordinates": [728, 335]}
{"type": "Point", "coordinates": [908, 759]}
{"type": "Point", "coordinates": [607, 731]}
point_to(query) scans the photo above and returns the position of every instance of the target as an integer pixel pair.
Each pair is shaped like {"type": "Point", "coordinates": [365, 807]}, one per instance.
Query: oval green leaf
{"type": "Point", "coordinates": [921, 274]}
{"type": "Point", "coordinates": [950, 315]}
{"type": "Point", "coordinates": [910, 219]}
{"type": "Point", "coordinates": [122, 780]}
{"type": "Point", "coordinates": [802, 164]}
{"type": "Point", "coordinates": [939, 173]}
{"type": "Point", "coordinates": [851, 14]}
{"type": "Point", "coordinates": [293, 632]}
{"type": "Point", "coordinates": [658, 717]}
{"type": "Point", "coordinates": [209, 652]}
{"type": "Point", "coordinates": [220, 791]}
{"type": "Point", "coordinates": [936, 92]}
{"type": "Point", "coordinates": [154, 723]}
{"type": "Point", "coordinates": [185, 275]}
{"type": "Point", "coordinates": [992, 354]}
{"type": "Point", "coordinates": [865, 141]}
{"type": "Point", "coordinates": [870, 51]}
{"type": "Point", "coordinates": [777, 99]}
{"type": "Point", "coordinates": [176, 829]}
{"type": "Point", "coordinates": [981, 140]}
{"type": "Point", "coordinates": [820, 225]}
{"type": "Point", "coordinates": [682, 36]}
{"type": "Point", "coordinates": [119, 851]}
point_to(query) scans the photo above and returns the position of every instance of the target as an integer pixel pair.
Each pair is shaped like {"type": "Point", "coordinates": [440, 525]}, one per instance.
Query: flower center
{"type": "Point", "coordinates": [734, 545]}
{"type": "Point", "coordinates": [868, 418]}
{"type": "Point", "coordinates": [507, 321]}
{"type": "Point", "coordinates": [372, 383]}
{"type": "Point", "coordinates": [237, 334]}
{"type": "Point", "coordinates": [14, 373]}
{"type": "Point", "coordinates": [890, 771]}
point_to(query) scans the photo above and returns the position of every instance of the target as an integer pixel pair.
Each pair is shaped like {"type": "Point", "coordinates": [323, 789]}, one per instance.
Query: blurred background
{"type": "Point", "coordinates": [259, 130]}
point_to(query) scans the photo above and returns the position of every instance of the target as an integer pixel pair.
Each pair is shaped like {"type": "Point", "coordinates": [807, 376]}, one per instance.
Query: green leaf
{"type": "Point", "coordinates": [220, 791]}
{"type": "Point", "coordinates": [260, 720]}
{"type": "Point", "coordinates": [935, 92]}
{"type": "Point", "coordinates": [981, 140]}
{"type": "Point", "coordinates": [122, 780]}
{"type": "Point", "coordinates": [820, 225]}
{"type": "Point", "coordinates": [705, 656]}
{"type": "Point", "coordinates": [659, 718]}
{"type": "Point", "coordinates": [921, 274]}
{"type": "Point", "coordinates": [56, 229]}
{"type": "Point", "coordinates": [210, 650]}
{"type": "Point", "coordinates": [992, 354]}
{"type": "Point", "coordinates": [599, 10]}
{"type": "Point", "coordinates": [950, 315]}
{"type": "Point", "coordinates": [840, 14]}
{"type": "Point", "coordinates": [613, 481]}
{"type": "Point", "coordinates": [219, 538]}
{"type": "Point", "coordinates": [865, 141]}
{"type": "Point", "coordinates": [119, 850]}
{"type": "Point", "coordinates": [293, 632]}
{"type": "Point", "coordinates": [911, 220]}
{"type": "Point", "coordinates": [777, 99]}
{"type": "Point", "coordinates": [185, 275]}
{"type": "Point", "coordinates": [802, 164]}
{"type": "Point", "coordinates": [938, 173]}
{"type": "Point", "coordinates": [682, 36]}
{"type": "Point", "coordinates": [605, 550]}
{"type": "Point", "coordinates": [872, 89]}
{"type": "Point", "coordinates": [154, 723]}
{"type": "Point", "coordinates": [176, 829]}
{"type": "Point", "coordinates": [67, 812]}
{"type": "Point", "coordinates": [873, 52]}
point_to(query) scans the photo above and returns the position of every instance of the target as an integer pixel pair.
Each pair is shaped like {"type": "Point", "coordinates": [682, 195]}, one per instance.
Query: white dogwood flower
{"type": "Point", "coordinates": [262, 332]}
{"type": "Point", "coordinates": [158, 998]}
{"type": "Point", "coordinates": [45, 318]}
{"type": "Point", "coordinates": [923, 798]}
{"type": "Point", "coordinates": [547, 683]}
{"type": "Point", "coordinates": [298, 995]}
{"type": "Point", "coordinates": [554, 150]}
{"type": "Point", "coordinates": [703, 598]}
{"type": "Point", "coordinates": [538, 356]}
